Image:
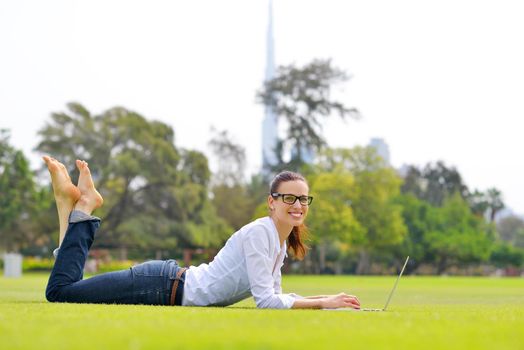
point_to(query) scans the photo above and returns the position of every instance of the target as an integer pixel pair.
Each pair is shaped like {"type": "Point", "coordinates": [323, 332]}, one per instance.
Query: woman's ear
{"type": "Point", "coordinates": [270, 201]}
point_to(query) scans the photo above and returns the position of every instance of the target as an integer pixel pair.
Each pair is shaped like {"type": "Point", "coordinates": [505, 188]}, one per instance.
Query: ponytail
{"type": "Point", "coordinates": [296, 239]}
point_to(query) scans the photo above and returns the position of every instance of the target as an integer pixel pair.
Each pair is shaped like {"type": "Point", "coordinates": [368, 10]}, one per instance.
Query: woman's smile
{"type": "Point", "coordinates": [296, 214]}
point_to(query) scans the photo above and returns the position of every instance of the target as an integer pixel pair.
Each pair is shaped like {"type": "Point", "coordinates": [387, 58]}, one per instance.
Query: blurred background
{"type": "Point", "coordinates": [404, 116]}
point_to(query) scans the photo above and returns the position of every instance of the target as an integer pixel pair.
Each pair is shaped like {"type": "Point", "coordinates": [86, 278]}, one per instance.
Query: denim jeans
{"type": "Point", "coordinates": [146, 283]}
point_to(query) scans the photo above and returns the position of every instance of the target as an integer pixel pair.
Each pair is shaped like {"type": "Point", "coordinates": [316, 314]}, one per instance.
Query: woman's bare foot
{"type": "Point", "coordinates": [66, 194]}
{"type": "Point", "coordinates": [89, 199]}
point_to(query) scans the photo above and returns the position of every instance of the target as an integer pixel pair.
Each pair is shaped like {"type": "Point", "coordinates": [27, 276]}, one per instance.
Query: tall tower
{"type": "Point", "coordinates": [270, 122]}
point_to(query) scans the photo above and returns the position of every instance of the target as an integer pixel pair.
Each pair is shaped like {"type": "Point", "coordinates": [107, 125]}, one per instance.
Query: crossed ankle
{"type": "Point", "coordinates": [80, 216]}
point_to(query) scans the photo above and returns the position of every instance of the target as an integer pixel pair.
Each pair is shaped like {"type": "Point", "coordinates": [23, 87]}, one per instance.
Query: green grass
{"type": "Point", "coordinates": [426, 313]}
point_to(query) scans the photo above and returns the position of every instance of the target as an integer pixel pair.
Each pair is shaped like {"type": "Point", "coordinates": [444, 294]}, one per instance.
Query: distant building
{"type": "Point", "coordinates": [382, 148]}
{"type": "Point", "coordinates": [270, 122]}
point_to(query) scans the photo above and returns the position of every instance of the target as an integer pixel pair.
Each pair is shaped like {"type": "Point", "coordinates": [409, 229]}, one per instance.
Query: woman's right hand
{"type": "Point", "coordinates": [340, 300]}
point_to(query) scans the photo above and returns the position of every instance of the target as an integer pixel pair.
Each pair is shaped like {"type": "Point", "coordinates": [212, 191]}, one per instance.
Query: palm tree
{"type": "Point", "coordinates": [495, 202]}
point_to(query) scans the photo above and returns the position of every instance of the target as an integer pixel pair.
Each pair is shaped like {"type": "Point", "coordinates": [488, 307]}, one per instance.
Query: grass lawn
{"type": "Point", "coordinates": [426, 313]}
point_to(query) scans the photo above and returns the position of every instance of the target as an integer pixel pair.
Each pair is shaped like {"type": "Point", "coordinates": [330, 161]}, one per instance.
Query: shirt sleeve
{"type": "Point", "coordinates": [278, 283]}
{"type": "Point", "coordinates": [256, 245]}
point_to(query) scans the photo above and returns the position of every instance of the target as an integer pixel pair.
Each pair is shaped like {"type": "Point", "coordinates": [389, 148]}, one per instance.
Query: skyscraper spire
{"type": "Point", "coordinates": [270, 122]}
{"type": "Point", "coordinates": [270, 45]}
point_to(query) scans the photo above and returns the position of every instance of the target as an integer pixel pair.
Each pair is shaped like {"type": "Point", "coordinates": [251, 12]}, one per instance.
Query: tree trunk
{"type": "Point", "coordinates": [338, 267]}
{"type": "Point", "coordinates": [123, 253]}
{"type": "Point", "coordinates": [364, 262]}
{"type": "Point", "coordinates": [310, 264]}
{"type": "Point", "coordinates": [188, 254]}
{"type": "Point", "coordinates": [322, 257]}
{"type": "Point", "coordinates": [442, 264]}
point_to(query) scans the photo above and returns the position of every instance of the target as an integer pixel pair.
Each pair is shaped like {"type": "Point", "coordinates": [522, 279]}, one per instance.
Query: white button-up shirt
{"type": "Point", "coordinates": [249, 264]}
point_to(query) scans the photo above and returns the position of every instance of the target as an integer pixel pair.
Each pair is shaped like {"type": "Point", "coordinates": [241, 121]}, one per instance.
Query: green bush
{"type": "Point", "coordinates": [504, 255]}
{"type": "Point", "coordinates": [37, 264]}
{"type": "Point", "coordinates": [114, 265]}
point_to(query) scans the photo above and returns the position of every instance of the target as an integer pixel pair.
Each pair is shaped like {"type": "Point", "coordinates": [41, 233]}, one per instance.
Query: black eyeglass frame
{"type": "Point", "coordinates": [276, 195]}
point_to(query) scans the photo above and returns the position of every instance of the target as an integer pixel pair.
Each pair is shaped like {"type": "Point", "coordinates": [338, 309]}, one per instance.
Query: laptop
{"type": "Point", "coordinates": [387, 302]}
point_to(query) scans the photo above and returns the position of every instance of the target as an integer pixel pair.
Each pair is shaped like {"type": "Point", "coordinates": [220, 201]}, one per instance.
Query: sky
{"type": "Point", "coordinates": [437, 80]}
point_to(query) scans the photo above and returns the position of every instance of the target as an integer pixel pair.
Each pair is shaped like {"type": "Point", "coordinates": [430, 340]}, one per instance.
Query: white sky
{"type": "Point", "coordinates": [436, 79]}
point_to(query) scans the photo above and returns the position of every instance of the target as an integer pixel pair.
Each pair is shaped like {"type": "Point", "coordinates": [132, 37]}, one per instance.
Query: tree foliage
{"type": "Point", "coordinates": [231, 158]}
{"type": "Point", "coordinates": [447, 235]}
{"type": "Point", "coordinates": [434, 183]}
{"type": "Point", "coordinates": [376, 187]}
{"type": "Point", "coordinates": [301, 96]}
{"type": "Point", "coordinates": [487, 203]}
{"type": "Point", "coordinates": [231, 197]}
{"type": "Point", "coordinates": [458, 236]}
{"type": "Point", "coordinates": [505, 254]}
{"type": "Point", "coordinates": [20, 199]}
{"type": "Point", "coordinates": [332, 217]}
{"type": "Point", "coordinates": [511, 230]}
{"type": "Point", "coordinates": [153, 191]}
{"type": "Point", "coordinates": [418, 216]}
{"type": "Point", "coordinates": [332, 220]}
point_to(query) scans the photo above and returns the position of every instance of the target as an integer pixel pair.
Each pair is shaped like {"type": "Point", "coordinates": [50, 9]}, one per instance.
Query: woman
{"type": "Point", "coordinates": [249, 263]}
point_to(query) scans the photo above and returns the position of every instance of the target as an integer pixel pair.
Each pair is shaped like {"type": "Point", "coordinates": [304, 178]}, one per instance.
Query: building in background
{"type": "Point", "coordinates": [270, 121]}
{"type": "Point", "coordinates": [382, 148]}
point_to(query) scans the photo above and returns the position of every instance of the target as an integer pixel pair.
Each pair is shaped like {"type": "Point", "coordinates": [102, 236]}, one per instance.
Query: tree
{"type": "Point", "coordinates": [458, 236]}
{"type": "Point", "coordinates": [434, 183]}
{"type": "Point", "coordinates": [478, 203]}
{"type": "Point", "coordinates": [302, 97]}
{"type": "Point", "coordinates": [332, 220]}
{"type": "Point", "coordinates": [509, 249]}
{"type": "Point", "coordinates": [487, 203]}
{"type": "Point", "coordinates": [20, 198]}
{"type": "Point", "coordinates": [414, 182]}
{"type": "Point", "coordinates": [495, 203]}
{"type": "Point", "coordinates": [446, 223]}
{"type": "Point", "coordinates": [231, 158]}
{"type": "Point", "coordinates": [504, 255]}
{"type": "Point", "coordinates": [511, 230]}
{"type": "Point", "coordinates": [418, 216]}
{"type": "Point", "coordinates": [228, 186]}
{"type": "Point", "coordinates": [235, 200]}
{"type": "Point", "coordinates": [374, 207]}
{"type": "Point", "coordinates": [140, 173]}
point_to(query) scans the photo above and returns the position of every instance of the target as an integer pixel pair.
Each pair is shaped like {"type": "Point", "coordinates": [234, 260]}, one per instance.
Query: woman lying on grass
{"type": "Point", "coordinates": [249, 263]}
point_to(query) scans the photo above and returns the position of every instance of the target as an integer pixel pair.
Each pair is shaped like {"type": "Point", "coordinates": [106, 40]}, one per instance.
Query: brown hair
{"type": "Point", "coordinates": [299, 234]}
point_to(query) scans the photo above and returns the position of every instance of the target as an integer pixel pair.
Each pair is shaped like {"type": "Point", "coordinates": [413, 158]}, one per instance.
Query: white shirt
{"type": "Point", "coordinates": [249, 264]}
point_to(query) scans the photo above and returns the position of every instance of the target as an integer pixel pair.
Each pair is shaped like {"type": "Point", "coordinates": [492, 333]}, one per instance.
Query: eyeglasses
{"type": "Point", "coordinates": [291, 198]}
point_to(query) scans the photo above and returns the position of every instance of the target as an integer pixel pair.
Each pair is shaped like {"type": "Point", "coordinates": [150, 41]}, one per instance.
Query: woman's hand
{"type": "Point", "coordinates": [340, 300]}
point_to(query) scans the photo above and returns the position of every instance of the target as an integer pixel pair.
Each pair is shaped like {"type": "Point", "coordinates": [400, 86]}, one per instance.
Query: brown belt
{"type": "Point", "coordinates": [179, 274]}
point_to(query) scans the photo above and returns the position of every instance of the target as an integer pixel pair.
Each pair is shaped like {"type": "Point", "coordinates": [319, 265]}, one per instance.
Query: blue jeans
{"type": "Point", "coordinates": [148, 283]}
